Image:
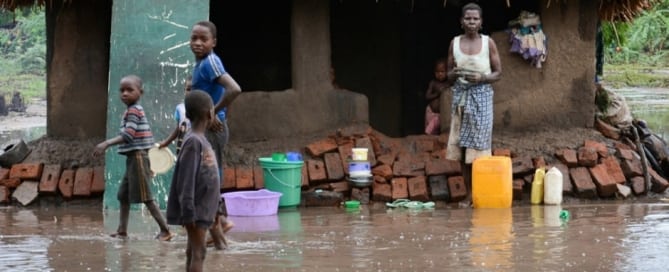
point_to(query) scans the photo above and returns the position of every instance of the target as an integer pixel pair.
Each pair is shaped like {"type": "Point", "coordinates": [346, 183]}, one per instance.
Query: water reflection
{"type": "Point", "coordinates": [598, 237]}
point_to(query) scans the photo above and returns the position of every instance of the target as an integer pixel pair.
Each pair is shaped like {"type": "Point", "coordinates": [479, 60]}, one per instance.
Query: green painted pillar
{"type": "Point", "coordinates": [149, 38]}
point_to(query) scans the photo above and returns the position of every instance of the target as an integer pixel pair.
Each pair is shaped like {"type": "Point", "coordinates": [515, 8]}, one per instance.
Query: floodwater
{"type": "Point", "coordinates": [597, 237]}
{"type": "Point", "coordinates": [649, 104]}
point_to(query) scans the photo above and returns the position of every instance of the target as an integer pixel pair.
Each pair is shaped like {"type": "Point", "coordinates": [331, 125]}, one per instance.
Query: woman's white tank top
{"type": "Point", "coordinates": [479, 62]}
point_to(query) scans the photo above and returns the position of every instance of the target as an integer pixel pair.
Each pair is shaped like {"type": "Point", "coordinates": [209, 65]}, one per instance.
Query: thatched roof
{"type": "Point", "coordinates": [609, 10]}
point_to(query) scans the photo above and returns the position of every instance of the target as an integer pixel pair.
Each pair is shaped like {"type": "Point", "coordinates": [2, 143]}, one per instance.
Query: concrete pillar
{"type": "Point", "coordinates": [310, 44]}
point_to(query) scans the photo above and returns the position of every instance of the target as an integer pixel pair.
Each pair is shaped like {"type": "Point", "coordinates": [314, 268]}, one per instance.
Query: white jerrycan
{"type": "Point", "coordinates": [553, 187]}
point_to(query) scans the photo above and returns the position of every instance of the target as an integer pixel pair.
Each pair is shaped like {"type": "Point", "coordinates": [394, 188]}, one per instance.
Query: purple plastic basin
{"type": "Point", "coordinates": [251, 203]}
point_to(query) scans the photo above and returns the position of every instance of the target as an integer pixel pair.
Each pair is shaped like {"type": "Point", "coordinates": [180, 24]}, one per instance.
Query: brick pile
{"type": "Point", "coordinates": [51, 180]}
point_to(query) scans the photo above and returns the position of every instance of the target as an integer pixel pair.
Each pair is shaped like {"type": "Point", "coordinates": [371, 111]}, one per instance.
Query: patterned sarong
{"type": "Point", "coordinates": [475, 101]}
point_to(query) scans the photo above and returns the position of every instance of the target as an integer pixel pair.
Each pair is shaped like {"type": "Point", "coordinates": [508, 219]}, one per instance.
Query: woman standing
{"type": "Point", "coordinates": [473, 63]}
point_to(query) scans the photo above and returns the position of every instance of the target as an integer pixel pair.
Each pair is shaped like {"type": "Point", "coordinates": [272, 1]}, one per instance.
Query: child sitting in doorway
{"type": "Point", "coordinates": [437, 86]}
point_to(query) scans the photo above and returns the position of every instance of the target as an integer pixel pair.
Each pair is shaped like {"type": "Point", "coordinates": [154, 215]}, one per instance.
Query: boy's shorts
{"type": "Point", "coordinates": [218, 140]}
{"type": "Point", "coordinates": [135, 185]}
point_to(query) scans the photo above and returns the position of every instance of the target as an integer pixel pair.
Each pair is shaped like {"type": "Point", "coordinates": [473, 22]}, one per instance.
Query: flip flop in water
{"type": "Point", "coordinates": [165, 237]}
{"type": "Point", "coordinates": [121, 235]}
{"type": "Point", "coordinates": [406, 203]}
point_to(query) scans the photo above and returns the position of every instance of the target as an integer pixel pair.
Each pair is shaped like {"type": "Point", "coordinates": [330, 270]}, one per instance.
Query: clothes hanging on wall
{"type": "Point", "coordinates": [528, 39]}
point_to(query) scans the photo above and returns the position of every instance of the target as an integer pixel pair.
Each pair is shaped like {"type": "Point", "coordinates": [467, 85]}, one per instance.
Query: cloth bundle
{"type": "Point", "coordinates": [528, 39]}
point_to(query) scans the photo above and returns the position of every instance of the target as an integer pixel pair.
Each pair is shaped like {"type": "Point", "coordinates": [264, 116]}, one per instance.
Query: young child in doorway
{"type": "Point", "coordinates": [135, 139]}
{"type": "Point", "coordinates": [195, 190]}
{"type": "Point", "coordinates": [183, 124]}
{"type": "Point", "coordinates": [437, 86]}
{"type": "Point", "coordinates": [210, 76]}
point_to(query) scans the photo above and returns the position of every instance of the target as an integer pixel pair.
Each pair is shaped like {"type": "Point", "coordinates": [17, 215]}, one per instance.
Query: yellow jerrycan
{"type": "Point", "coordinates": [492, 182]}
{"type": "Point", "coordinates": [538, 186]}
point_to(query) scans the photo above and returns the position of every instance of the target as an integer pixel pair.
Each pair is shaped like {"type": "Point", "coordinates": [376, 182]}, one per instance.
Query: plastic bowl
{"type": "Point", "coordinates": [352, 204]}
{"type": "Point", "coordinates": [252, 203]}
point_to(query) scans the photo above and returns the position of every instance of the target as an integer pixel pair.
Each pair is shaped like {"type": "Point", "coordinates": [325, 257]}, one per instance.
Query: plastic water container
{"type": "Point", "coordinates": [359, 169]}
{"type": "Point", "coordinates": [538, 186]}
{"type": "Point", "coordinates": [359, 154]}
{"type": "Point", "coordinates": [492, 182]}
{"type": "Point", "coordinates": [251, 203]}
{"type": "Point", "coordinates": [553, 187]}
{"type": "Point", "coordinates": [283, 177]}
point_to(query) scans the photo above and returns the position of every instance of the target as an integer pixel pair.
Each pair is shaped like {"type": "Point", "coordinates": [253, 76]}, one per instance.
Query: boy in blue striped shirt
{"type": "Point", "coordinates": [134, 139]}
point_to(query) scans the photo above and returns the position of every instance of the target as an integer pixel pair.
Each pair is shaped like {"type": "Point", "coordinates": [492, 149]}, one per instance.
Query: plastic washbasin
{"type": "Point", "coordinates": [251, 203]}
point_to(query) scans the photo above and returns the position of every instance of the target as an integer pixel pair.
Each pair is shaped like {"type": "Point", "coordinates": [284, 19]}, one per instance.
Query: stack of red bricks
{"type": "Point", "coordinates": [590, 171]}
{"type": "Point", "coordinates": [52, 180]}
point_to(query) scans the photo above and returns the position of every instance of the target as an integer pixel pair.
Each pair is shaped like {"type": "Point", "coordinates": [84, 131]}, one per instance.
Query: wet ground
{"type": "Point", "coordinates": [597, 237]}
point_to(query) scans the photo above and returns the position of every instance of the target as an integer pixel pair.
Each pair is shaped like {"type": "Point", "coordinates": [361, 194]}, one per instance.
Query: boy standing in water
{"type": "Point", "coordinates": [135, 138]}
{"type": "Point", "coordinates": [437, 86]}
{"type": "Point", "coordinates": [183, 124]}
{"type": "Point", "coordinates": [194, 193]}
{"type": "Point", "coordinates": [210, 76]}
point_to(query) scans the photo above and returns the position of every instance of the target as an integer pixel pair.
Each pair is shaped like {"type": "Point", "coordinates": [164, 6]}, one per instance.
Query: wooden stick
{"type": "Point", "coordinates": [644, 161]}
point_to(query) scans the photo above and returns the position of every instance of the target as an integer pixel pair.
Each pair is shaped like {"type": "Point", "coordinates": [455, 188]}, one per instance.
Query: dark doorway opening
{"type": "Point", "coordinates": [254, 42]}
{"type": "Point", "coordinates": [387, 49]}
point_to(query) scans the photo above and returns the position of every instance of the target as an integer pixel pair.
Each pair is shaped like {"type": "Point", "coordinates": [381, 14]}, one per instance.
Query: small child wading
{"type": "Point", "coordinates": [134, 140]}
{"type": "Point", "coordinates": [195, 190]}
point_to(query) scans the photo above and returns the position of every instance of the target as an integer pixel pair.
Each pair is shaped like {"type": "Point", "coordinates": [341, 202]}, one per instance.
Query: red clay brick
{"type": "Point", "coordinates": [380, 179]}
{"type": "Point", "coordinates": [408, 169]}
{"type": "Point", "coordinates": [360, 194]}
{"type": "Point", "coordinates": [229, 180]}
{"type": "Point", "coordinates": [614, 169]}
{"type": "Point", "coordinates": [567, 185]}
{"type": "Point", "coordinates": [438, 187]}
{"type": "Point", "coordinates": [404, 156]}
{"type": "Point", "coordinates": [346, 153]}
{"type": "Point", "coordinates": [418, 189]}
{"type": "Point", "coordinates": [382, 192]}
{"type": "Point", "coordinates": [659, 184]}
{"type": "Point", "coordinates": [632, 168]}
{"type": "Point", "coordinates": [98, 184]}
{"type": "Point", "coordinates": [333, 166]}
{"type": "Point", "coordinates": [607, 130]}
{"type": "Point", "coordinates": [522, 165]}
{"type": "Point", "coordinates": [318, 148]}
{"type": "Point", "coordinates": [424, 145]}
{"type": "Point", "coordinates": [305, 176]}
{"type": "Point", "coordinates": [244, 177]}
{"type": "Point", "coordinates": [538, 162]}
{"type": "Point", "coordinates": [66, 183]}
{"type": "Point", "coordinates": [621, 145]}
{"type": "Point", "coordinates": [4, 195]}
{"type": "Point", "coordinates": [436, 167]}
{"type": "Point", "coordinates": [568, 157]}
{"type": "Point", "coordinates": [606, 186]}
{"type": "Point", "coordinates": [4, 173]}
{"type": "Point", "coordinates": [584, 187]}
{"type": "Point", "coordinates": [26, 171]}
{"type": "Point", "coordinates": [439, 154]}
{"type": "Point", "coordinates": [387, 159]}
{"type": "Point", "coordinates": [50, 176]}
{"type": "Point", "coordinates": [340, 186]}
{"type": "Point", "coordinates": [82, 182]}
{"type": "Point", "coordinates": [454, 168]}
{"type": "Point", "coordinates": [601, 148]}
{"type": "Point", "coordinates": [638, 185]}
{"type": "Point", "coordinates": [316, 170]}
{"type": "Point", "coordinates": [365, 142]}
{"type": "Point", "coordinates": [11, 183]}
{"type": "Point", "coordinates": [422, 157]}
{"type": "Point", "coordinates": [457, 188]}
{"type": "Point", "coordinates": [518, 189]}
{"type": "Point", "coordinates": [354, 130]}
{"type": "Point", "coordinates": [384, 171]}
{"type": "Point", "coordinates": [627, 154]}
{"type": "Point", "coordinates": [399, 187]}
{"type": "Point", "coordinates": [258, 177]}
{"type": "Point", "coordinates": [587, 156]}
{"type": "Point", "coordinates": [501, 152]}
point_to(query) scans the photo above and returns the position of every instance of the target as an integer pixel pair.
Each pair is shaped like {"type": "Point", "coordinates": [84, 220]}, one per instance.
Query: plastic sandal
{"type": "Point", "coordinates": [397, 203]}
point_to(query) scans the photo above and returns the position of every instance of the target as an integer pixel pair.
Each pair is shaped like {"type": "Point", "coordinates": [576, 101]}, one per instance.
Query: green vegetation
{"type": "Point", "coordinates": [23, 53]}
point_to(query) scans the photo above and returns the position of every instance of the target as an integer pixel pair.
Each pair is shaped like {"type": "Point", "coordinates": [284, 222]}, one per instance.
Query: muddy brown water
{"type": "Point", "coordinates": [597, 237]}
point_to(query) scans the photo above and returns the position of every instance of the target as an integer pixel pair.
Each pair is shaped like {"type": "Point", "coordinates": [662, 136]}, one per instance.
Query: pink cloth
{"type": "Point", "coordinates": [432, 126]}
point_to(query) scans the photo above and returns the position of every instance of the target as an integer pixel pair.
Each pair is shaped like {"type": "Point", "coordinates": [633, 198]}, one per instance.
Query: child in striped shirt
{"type": "Point", "coordinates": [134, 140]}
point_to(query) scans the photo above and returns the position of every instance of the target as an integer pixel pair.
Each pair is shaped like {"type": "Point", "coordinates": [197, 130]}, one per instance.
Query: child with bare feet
{"type": "Point", "coordinates": [194, 193]}
{"type": "Point", "coordinates": [134, 140]}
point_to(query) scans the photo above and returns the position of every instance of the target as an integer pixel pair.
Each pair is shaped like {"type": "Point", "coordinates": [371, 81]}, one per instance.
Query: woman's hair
{"type": "Point", "coordinates": [211, 26]}
{"type": "Point", "coordinates": [472, 6]}
{"type": "Point", "coordinates": [197, 104]}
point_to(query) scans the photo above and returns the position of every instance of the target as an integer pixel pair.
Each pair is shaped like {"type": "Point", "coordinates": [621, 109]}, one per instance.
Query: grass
{"type": "Point", "coordinates": [28, 85]}
{"type": "Point", "coordinates": [636, 76]}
